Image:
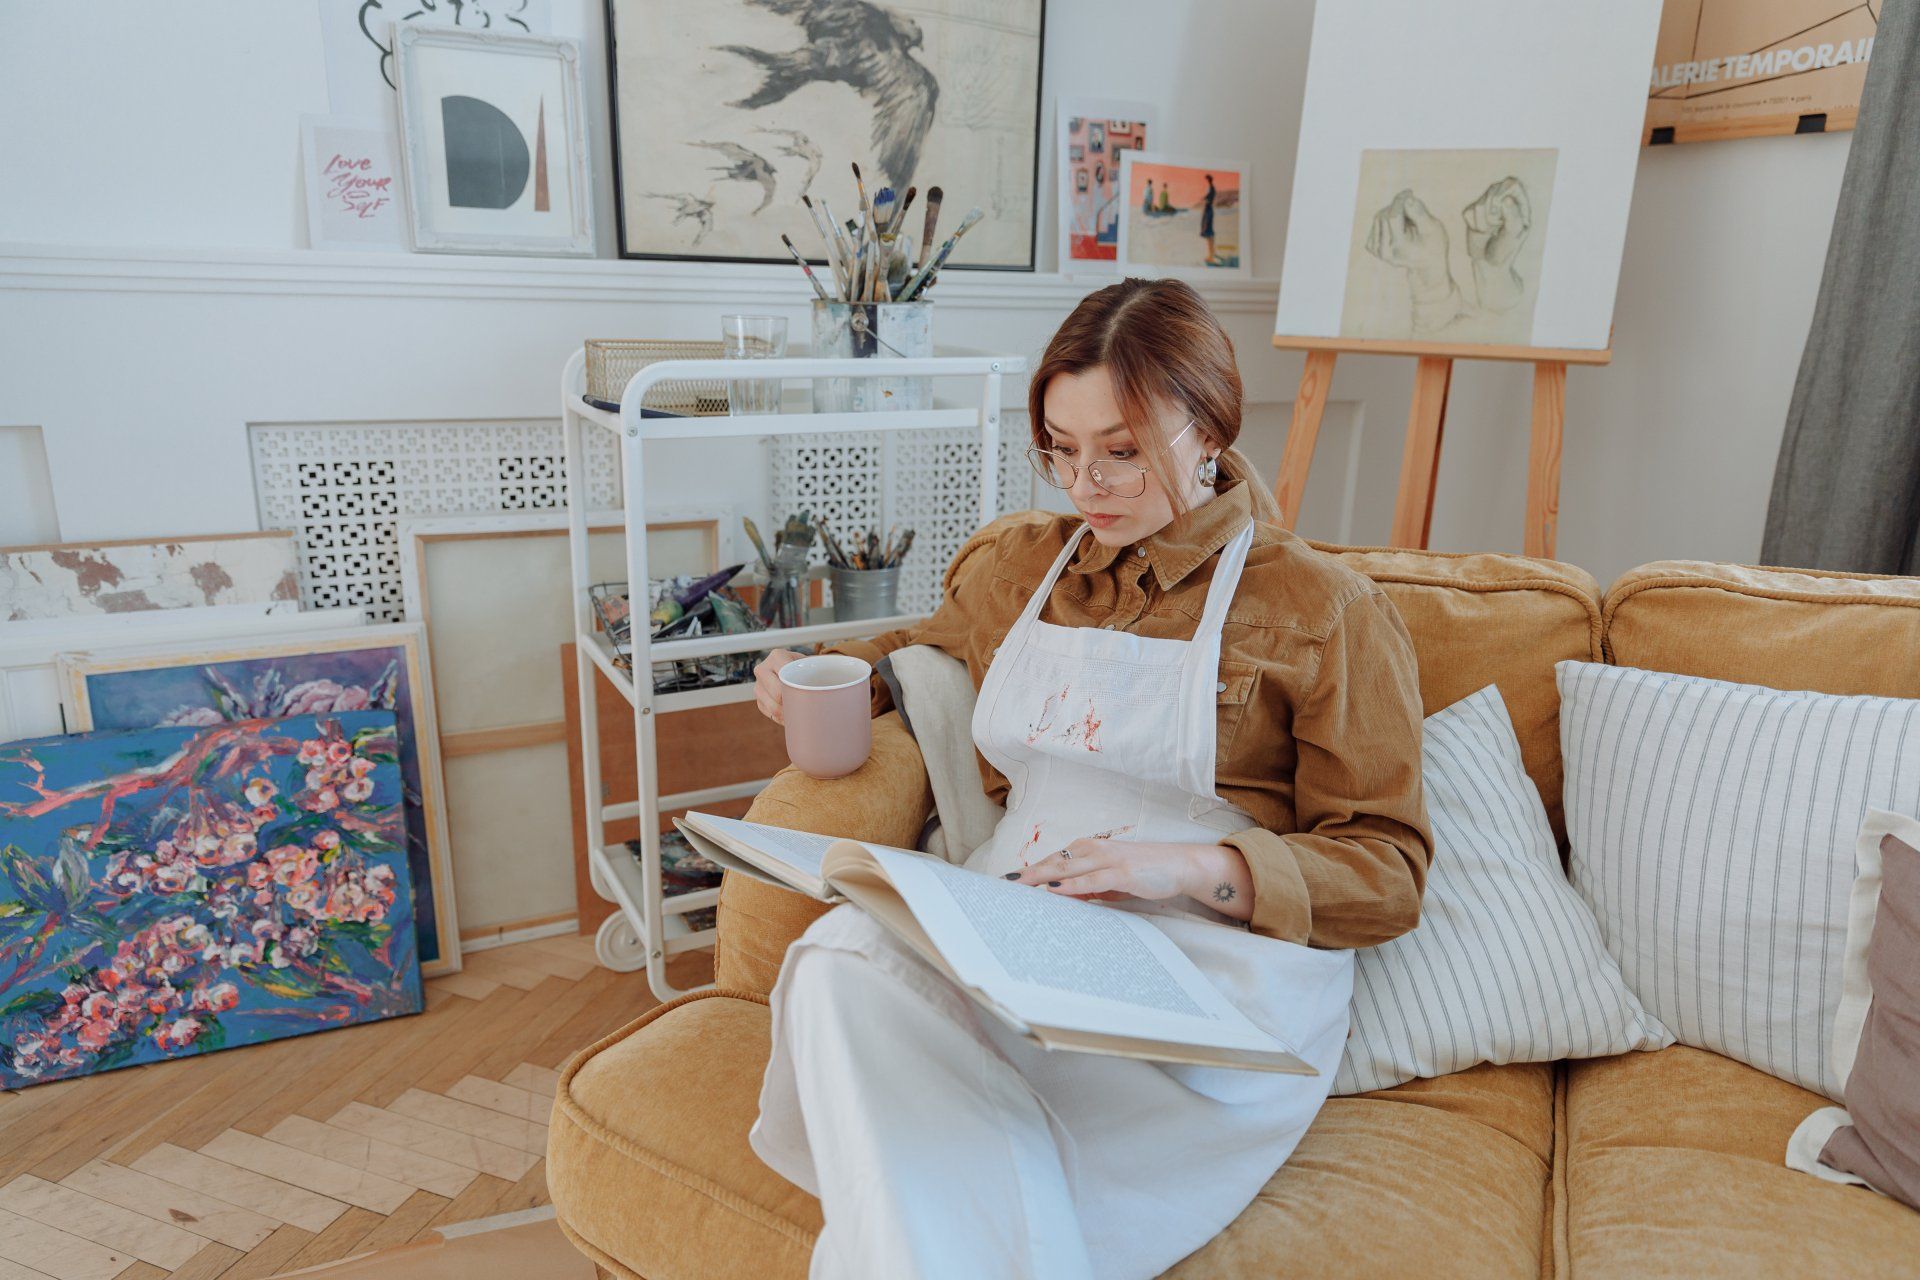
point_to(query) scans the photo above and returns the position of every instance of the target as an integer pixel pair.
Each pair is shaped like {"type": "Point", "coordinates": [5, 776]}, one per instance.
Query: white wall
{"type": "Point", "coordinates": [156, 296]}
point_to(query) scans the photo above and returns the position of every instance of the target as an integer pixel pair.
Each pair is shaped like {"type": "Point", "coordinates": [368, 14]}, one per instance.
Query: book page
{"type": "Point", "coordinates": [1065, 963]}
{"type": "Point", "coordinates": [801, 850]}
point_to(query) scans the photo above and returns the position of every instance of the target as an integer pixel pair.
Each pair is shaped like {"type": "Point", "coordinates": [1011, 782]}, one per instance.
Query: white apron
{"type": "Point", "coordinates": [1101, 732]}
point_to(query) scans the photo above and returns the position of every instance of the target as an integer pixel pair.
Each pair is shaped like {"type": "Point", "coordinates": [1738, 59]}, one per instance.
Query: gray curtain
{"type": "Point", "coordinates": [1846, 492]}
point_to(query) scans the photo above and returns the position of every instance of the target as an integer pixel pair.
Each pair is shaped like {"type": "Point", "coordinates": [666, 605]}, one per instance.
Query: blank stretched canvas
{"type": "Point", "coordinates": [1448, 102]}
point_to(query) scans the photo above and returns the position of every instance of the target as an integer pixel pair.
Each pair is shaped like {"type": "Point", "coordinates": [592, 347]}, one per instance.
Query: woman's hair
{"type": "Point", "coordinates": [1161, 345]}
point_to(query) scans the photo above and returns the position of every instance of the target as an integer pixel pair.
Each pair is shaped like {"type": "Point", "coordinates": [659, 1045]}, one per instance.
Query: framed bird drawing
{"type": "Point", "coordinates": [726, 112]}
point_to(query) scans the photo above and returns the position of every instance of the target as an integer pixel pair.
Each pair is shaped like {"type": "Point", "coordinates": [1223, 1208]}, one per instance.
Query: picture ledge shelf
{"type": "Point", "coordinates": [134, 268]}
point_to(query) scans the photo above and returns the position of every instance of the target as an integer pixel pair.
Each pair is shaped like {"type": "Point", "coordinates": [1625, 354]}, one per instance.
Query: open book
{"type": "Point", "coordinates": [1064, 973]}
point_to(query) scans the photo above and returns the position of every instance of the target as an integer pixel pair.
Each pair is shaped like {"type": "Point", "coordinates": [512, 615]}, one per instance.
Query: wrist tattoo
{"type": "Point", "coordinates": [1223, 892]}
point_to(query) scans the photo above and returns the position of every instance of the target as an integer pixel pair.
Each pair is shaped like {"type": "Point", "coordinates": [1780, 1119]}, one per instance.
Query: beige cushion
{"type": "Point", "coordinates": [652, 1176]}
{"type": "Point", "coordinates": [1784, 628]}
{"type": "Point", "coordinates": [1480, 619]}
{"type": "Point", "coordinates": [1673, 1168]}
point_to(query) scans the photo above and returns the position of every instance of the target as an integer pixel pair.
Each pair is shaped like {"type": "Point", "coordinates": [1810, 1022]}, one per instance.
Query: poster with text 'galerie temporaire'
{"type": "Point", "coordinates": [1465, 171]}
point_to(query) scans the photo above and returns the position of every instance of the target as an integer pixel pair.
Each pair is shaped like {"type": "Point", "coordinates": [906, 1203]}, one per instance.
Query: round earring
{"type": "Point", "coordinates": [1207, 471]}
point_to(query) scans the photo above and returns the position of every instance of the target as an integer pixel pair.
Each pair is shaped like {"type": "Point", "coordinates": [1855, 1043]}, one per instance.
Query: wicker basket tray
{"type": "Point", "coordinates": [612, 362]}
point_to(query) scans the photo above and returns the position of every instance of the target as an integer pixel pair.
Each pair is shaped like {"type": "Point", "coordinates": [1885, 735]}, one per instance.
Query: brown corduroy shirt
{"type": "Point", "coordinates": [1318, 700]}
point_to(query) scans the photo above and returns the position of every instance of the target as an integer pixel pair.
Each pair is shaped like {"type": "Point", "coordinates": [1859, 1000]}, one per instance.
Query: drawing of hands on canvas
{"type": "Point", "coordinates": [1497, 225]}
{"type": "Point", "coordinates": [1406, 234]}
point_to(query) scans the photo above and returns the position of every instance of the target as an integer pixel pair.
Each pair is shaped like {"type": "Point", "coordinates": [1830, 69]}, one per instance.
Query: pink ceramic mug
{"type": "Point", "coordinates": [824, 704]}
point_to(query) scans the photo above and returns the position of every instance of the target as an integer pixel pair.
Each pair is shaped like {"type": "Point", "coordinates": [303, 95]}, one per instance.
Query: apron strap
{"type": "Point", "coordinates": [1201, 670]}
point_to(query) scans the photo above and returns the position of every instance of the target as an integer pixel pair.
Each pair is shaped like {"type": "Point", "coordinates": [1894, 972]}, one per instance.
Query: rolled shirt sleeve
{"type": "Point", "coordinates": [1352, 873]}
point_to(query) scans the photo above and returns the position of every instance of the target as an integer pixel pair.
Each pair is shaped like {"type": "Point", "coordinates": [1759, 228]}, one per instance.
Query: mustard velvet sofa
{"type": "Point", "coordinates": [1663, 1164]}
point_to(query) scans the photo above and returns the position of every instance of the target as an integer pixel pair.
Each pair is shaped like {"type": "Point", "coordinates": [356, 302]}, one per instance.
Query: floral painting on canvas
{"type": "Point", "coordinates": [166, 892]}
{"type": "Point", "coordinates": [377, 668]}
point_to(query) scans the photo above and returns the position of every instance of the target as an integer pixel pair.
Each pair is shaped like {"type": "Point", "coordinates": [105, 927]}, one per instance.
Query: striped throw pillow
{"type": "Point", "coordinates": [1713, 829]}
{"type": "Point", "coordinates": [1507, 963]}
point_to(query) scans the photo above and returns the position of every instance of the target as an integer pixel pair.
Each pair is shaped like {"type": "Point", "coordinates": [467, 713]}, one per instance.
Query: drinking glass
{"type": "Point", "coordinates": [753, 338]}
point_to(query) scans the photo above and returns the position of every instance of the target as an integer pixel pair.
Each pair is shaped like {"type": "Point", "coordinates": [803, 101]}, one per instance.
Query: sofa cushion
{"type": "Point", "coordinates": [1437, 1178]}
{"type": "Point", "coordinates": [1508, 964]}
{"type": "Point", "coordinates": [652, 1176]}
{"type": "Point", "coordinates": [1673, 1169]}
{"type": "Point", "coordinates": [647, 1156]}
{"type": "Point", "coordinates": [1785, 628]}
{"type": "Point", "coordinates": [1713, 827]}
{"type": "Point", "coordinates": [1480, 619]}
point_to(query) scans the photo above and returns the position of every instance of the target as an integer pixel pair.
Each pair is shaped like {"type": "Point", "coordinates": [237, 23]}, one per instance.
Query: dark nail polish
{"type": "Point", "coordinates": [1011, 875]}
{"type": "Point", "coordinates": [1053, 884]}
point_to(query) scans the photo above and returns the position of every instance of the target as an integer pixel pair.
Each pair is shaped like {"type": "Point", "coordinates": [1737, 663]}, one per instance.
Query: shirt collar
{"type": "Point", "coordinates": [1183, 544]}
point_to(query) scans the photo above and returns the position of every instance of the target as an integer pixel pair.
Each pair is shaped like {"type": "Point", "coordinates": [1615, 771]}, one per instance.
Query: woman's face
{"type": "Point", "coordinates": [1084, 423]}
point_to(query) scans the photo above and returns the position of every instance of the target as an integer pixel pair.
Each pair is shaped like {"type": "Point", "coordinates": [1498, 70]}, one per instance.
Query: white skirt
{"type": "Point", "coordinates": [1160, 1158]}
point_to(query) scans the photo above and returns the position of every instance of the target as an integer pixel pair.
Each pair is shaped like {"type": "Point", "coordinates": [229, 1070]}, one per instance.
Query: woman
{"type": "Point", "coordinates": [1205, 721]}
{"type": "Point", "coordinates": [1206, 223]}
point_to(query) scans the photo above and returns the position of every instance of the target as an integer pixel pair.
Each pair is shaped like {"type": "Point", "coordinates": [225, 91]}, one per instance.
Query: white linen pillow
{"type": "Point", "coordinates": [1507, 963]}
{"type": "Point", "coordinates": [1713, 828]}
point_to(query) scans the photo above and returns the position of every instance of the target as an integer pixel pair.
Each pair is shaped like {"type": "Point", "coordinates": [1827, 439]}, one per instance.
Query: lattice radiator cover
{"type": "Point", "coordinates": [343, 487]}
{"type": "Point", "coordinates": [929, 480]}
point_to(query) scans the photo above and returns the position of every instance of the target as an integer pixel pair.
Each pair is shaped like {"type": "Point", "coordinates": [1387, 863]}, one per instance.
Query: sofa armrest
{"type": "Point", "coordinates": [886, 800]}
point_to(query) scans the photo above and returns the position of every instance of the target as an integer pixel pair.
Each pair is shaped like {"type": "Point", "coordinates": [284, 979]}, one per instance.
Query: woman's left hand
{"type": "Point", "coordinates": [1108, 870]}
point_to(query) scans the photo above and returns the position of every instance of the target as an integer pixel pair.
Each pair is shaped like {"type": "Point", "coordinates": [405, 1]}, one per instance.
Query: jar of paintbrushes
{"type": "Point", "coordinates": [877, 308]}
{"type": "Point", "coordinates": [865, 575]}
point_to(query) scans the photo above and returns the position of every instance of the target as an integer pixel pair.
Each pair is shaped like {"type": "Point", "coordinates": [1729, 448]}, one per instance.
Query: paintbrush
{"type": "Point", "coordinates": [900, 553]}
{"type": "Point", "coordinates": [812, 279]}
{"type": "Point", "coordinates": [899, 266]}
{"type": "Point", "coordinates": [883, 206]}
{"type": "Point", "coordinates": [860, 185]}
{"type": "Point", "coordinates": [934, 196]}
{"type": "Point", "coordinates": [876, 265]}
{"type": "Point", "coordinates": [833, 255]}
{"type": "Point", "coordinates": [918, 282]}
{"type": "Point", "coordinates": [900, 214]}
{"type": "Point", "coordinates": [846, 249]}
{"type": "Point", "coordinates": [753, 532]}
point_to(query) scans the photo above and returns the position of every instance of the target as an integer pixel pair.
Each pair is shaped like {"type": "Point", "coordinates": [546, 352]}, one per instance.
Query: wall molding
{"type": "Point", "coordinates": [309, 273]}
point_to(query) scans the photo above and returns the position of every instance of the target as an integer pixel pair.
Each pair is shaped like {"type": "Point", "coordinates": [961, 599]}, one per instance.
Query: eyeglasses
{"type": "Point", "coordinates": [1117, 476]}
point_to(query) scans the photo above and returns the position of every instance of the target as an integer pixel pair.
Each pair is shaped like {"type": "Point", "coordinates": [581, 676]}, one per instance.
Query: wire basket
{"type": "Point", "coordinates": [612, 362]}
{"type": "Point", "coordinates": [731, 615]}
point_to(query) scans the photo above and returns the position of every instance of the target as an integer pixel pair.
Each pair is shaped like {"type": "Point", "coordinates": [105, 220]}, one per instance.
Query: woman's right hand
{"type": "Point", "coordinates": [767, 689]}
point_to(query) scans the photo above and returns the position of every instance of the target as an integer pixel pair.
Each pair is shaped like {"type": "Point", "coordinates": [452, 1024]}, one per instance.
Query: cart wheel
{"type": "Point", "coordinates": [600, 885]}
{"type": "Point", "coordinates": [617, 946]}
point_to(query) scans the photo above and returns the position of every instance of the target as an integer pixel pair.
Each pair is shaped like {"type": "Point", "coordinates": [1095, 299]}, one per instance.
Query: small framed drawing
{"type": "Point", "coordinates": [353, 185]}
{"type": "Point", "coordinates": [1091, 134]}
{"type": "Point", "coordinates": [494, 142]}
{"type": "Point", "coordinates": [1183, 216]}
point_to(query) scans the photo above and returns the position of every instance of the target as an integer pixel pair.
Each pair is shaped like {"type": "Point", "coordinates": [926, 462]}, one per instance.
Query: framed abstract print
{"type": "Point", "coordinates": [493, 139]}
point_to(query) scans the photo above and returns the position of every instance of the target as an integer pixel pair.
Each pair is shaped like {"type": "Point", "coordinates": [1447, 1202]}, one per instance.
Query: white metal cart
{"type": "Point", "coordinates": [638, 934]}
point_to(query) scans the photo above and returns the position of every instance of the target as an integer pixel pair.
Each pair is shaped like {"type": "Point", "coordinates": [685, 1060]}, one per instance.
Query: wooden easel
{"type": "Point", "coordinates": [1420, 460]}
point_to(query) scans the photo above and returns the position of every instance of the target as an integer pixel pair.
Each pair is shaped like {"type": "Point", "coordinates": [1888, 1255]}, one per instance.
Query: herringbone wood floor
{"type": "Point", "coordinates": [253, 1162]}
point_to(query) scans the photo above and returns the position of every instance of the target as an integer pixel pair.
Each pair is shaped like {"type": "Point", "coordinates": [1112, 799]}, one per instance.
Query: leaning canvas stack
{"type": "Point", "coordinates": [220, 816]}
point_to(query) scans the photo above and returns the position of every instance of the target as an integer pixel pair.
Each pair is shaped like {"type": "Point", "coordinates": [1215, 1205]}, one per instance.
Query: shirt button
{"type": "Point", "coordinates": [1106, 626]}
{"type": "Point", "coordinates": [1139, 551]}
{"type": "Point", "coordinates": [1220, 687]}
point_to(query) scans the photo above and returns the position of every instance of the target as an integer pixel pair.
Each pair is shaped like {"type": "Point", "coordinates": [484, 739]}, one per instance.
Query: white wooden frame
{"type": "Point", "coordinates": [650, 926]}
{"type": "Point", "coordinates": [415, 536]}
{"type": "Point", "coordinates": [30, 651]}
{"type": "Point", "coordinates": [1242, 167]}
{"type": "Point", "coordinates": [415, 116]}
